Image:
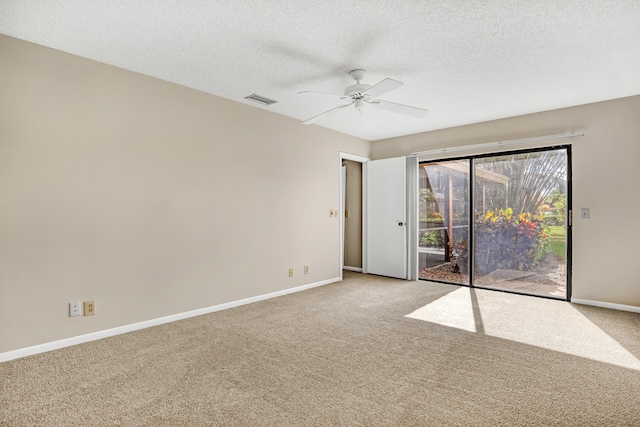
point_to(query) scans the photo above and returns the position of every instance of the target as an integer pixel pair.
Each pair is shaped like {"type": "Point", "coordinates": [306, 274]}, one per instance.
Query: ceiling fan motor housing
{"type": "Point", "coordinates": [356, 91]}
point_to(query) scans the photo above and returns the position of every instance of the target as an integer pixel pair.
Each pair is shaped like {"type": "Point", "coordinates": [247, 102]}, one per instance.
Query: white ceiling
{"type": "Point", "coordinates": [464, 61]}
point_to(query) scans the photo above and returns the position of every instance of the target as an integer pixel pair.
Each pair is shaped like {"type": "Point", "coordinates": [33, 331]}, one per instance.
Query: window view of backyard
{"type": "Point", "coordinates": [444, 221]}
{"type": "Point", "coordinates": [519, 222]}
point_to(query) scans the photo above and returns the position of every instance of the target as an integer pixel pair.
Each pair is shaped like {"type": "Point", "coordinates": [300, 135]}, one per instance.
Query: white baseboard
{"type": "Point", "coordinates": [68, 342]}
{"type": "Point", "coordinates": [357, 269]}
{"type": "Point", "coordinates": [621, 307]}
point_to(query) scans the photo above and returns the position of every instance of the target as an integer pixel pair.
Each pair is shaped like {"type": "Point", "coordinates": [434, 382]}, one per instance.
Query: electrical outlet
{"type": "Point", "coordinates": [291, 272]}
{"type": "Point", "coordinates": [89, 308]}
{"type": "Point", "coordinates": [306, 269]}
{"type": "Point", "coordinates": [74, 309]}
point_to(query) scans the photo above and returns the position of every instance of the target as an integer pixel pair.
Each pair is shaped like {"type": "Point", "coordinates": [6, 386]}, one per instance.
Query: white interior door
{"type": "Point", "coordinates": [386, 217]}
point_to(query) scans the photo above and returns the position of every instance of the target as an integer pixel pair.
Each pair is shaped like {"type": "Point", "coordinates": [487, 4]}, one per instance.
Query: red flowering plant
{"type": "Point", "coordinates": [505, 241]}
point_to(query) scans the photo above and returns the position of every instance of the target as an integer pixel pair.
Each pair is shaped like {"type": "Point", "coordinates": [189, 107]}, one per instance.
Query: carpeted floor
{"type": "Point", "coordinates": [368, 351]}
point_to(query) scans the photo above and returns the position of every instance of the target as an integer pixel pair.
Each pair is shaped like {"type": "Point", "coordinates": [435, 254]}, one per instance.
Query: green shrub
{"type": "Point", "coordinates": [551, 220]}
{"type": "Point", "coordinates": [433, 238]}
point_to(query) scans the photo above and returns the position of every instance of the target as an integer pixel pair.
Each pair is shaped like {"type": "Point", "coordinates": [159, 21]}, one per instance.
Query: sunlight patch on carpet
{"type": "Point", "coordinates": [454, 309]}
{"type": "Point", "coordinates": [553, 325]}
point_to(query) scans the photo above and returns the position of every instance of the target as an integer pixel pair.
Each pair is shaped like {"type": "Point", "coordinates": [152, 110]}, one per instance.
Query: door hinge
{"type": "Point", "coordinates": [570, 218]}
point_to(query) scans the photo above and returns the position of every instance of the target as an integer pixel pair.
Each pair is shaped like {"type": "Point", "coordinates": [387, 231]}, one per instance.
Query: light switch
{"type": "Point", "coordinates": [584, 213]}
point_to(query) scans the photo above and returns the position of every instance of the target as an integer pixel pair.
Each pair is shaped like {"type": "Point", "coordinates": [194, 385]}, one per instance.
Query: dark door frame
{"type": "Point", "coordinates": [569, 225]}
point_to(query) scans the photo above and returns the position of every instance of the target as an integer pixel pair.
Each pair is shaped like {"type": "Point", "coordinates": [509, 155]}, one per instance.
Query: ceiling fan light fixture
{"type": "Point", "coordinates": [260, 99]}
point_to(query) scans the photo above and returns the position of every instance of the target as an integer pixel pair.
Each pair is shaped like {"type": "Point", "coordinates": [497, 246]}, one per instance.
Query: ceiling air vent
{"type": "Point", "coordinates": [260, 99]}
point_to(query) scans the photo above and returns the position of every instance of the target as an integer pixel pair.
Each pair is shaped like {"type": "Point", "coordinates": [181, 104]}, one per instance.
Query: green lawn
{"type": "Point", "coordinates": [558, 241]}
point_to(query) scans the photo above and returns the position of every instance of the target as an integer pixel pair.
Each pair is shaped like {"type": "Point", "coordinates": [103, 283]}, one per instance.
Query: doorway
{"type": "Point", "coordinates": [352, 216]}
{"type": "Point", "coordinates": [499, 221]}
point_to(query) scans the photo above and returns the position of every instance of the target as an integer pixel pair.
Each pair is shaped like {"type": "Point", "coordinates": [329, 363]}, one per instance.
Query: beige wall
{"type": "Point", "coordinates": [151, 198]}
{"type": "Point", "coordinates": [606, 173]}
{"type": "Point", "coordinates": [155, 199]}
{"type": "Point", "coordinates": [353, 223]}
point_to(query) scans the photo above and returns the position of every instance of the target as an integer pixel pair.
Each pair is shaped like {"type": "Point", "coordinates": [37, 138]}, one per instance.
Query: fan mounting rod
{"type": "Point", "coordinates": [357, 74]}
{"type": "Point", "coordinates": [357, 90]}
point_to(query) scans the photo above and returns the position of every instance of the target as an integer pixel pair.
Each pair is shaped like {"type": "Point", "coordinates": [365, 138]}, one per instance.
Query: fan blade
{"type": "Point", "coordinates": [399, 108]}
{"type": "Point", "coordinates": [326, 113]}
{"type": "Point", "coordinates": [386, 85]}
{"type": "Point", "coordinates": [326, 95]}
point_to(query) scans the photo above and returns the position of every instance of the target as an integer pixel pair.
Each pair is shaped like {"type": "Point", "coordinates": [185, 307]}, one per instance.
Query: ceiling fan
{"type": "Point", "coordinates": [361, 95]}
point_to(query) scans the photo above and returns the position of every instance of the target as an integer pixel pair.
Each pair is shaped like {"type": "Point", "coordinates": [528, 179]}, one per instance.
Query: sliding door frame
{"type": "Point", "coordinates": [471, 244]}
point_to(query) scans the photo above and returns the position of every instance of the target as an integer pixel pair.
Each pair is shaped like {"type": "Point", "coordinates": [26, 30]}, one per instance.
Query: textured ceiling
{"type": "Point", "coordinates": [464, 61]}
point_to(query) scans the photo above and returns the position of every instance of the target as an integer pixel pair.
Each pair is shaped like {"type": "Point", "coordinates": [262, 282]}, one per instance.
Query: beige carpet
{"type": "Point", "coordinates": [368, 351]}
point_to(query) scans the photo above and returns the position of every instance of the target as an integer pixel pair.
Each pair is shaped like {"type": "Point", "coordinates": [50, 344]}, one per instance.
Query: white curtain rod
{"type": "Point", "coordinates": [500, 143]}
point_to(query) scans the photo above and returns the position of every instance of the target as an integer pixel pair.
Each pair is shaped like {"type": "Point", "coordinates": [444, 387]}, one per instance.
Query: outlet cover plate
{"type": "Point", "coordinates": [89, 308]}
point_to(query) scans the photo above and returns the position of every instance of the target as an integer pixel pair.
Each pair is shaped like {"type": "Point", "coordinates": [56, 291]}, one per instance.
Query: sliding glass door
{"type": "Point", "coordinates": [516, 236]}
{"type": "Point", "coordinates": [444, 221]}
